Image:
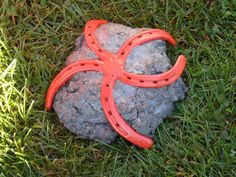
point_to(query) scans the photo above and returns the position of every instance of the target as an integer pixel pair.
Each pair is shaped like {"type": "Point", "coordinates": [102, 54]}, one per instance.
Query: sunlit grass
{"type": "Point", "coordinates": [15, 109]}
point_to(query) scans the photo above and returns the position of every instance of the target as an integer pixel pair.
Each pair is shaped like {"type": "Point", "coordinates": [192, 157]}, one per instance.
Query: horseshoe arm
{"type": "Point", "coordinates": [143, 37]}
{"type": "Point", "coordinates": [91, 41]}
{"type": "Point", "coordinates": [66, 74]}
{"type": "Point", "coordinates": [155, 81]}
{"type": "Point", "coordinates": [115, 119]}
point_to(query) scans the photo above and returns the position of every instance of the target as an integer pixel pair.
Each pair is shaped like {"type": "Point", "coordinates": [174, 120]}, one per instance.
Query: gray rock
{"type": "Point", "coordinates": [77, 103]}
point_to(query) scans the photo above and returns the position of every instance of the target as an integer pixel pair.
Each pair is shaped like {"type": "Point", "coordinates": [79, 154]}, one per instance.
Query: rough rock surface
{"type": "Point", "coordinates": [77, 103]}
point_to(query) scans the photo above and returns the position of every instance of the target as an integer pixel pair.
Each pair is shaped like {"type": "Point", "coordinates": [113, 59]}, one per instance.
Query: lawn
{"type": "Point", "coordinates": [199, 139]}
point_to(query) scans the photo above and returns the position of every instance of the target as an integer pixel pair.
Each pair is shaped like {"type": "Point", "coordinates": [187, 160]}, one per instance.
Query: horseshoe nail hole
{"type": "Point", "coordinates": [117, 125]}
{"type": "Point", "coordinates": [89, 34]}
{"type": "Point", "coordinates": [150, 33]}
{"type": "Point", "coordinates": [93, 42]}
{"type": "Point", "coordinates": [141, 81]}
{"type": "Point", "coordinates": [95, 64]}
{"type": "Point", "coordinates": [166, 79]}
{"type": "Point", "coordinates": [122, 53]}
{"type": "Point", "coordinates": [82, 64]}
{"type": "Point", "coordinates": [140, 36]}
{"type": "Point", "coordinates": [106, 98]}
{"type": "Point", "coordinates": [69, 68]}
{"type": "Point", "coordinates": [110, 113]}
{"type": "Point", "coordinates": [154, 82]}
{"type": "Point", "coordinates": [107, 85]}
{"type": "Point", "coordinates": [130, 44]}
{"type": "Point", "coordinates": [85, 71]}
{"type": "Point", "coordinates": [129, 78]}
{"type": "Point", "coordinates": [100, 50]}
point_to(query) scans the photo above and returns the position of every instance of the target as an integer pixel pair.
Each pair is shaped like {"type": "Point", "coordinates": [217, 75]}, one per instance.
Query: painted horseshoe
{"type": "Point", "coordinates": [112, 67]}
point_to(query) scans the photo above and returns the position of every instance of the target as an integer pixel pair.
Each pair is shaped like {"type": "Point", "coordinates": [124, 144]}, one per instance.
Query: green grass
{"type": "Point", "coordinates": [198, 140]}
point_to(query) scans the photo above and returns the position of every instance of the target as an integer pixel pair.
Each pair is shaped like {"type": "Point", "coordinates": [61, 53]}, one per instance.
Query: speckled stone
{"type": "Point", "coordinates": [77, 103]}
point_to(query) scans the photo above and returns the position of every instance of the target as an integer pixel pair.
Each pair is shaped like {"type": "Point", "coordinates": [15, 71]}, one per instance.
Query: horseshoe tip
{"type": "Point", "coordinates": [145, 143]}
{"type": "Point", "coordinates": [171, 40]}
{"type": "Point", "coordinates": [182, 58]}
{"type": "Point", "coordinates": [47, 106]}
{"type": "Point", "coordinates": [180, 64]}
{"type": "Point", "coordinates": [174, 43]}
{"type": "Point", "coordinates": [148, 145]}
{"type": "Point", "coordinates": [48, 102]}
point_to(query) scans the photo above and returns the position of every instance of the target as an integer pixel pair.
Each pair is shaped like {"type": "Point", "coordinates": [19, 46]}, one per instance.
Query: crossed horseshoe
{"type": "Point", "coordinates": [112, 67]}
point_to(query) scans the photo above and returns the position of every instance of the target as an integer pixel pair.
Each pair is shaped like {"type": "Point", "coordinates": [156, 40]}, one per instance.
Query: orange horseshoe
{"type": "Point", "coordinates": [112, 67]}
